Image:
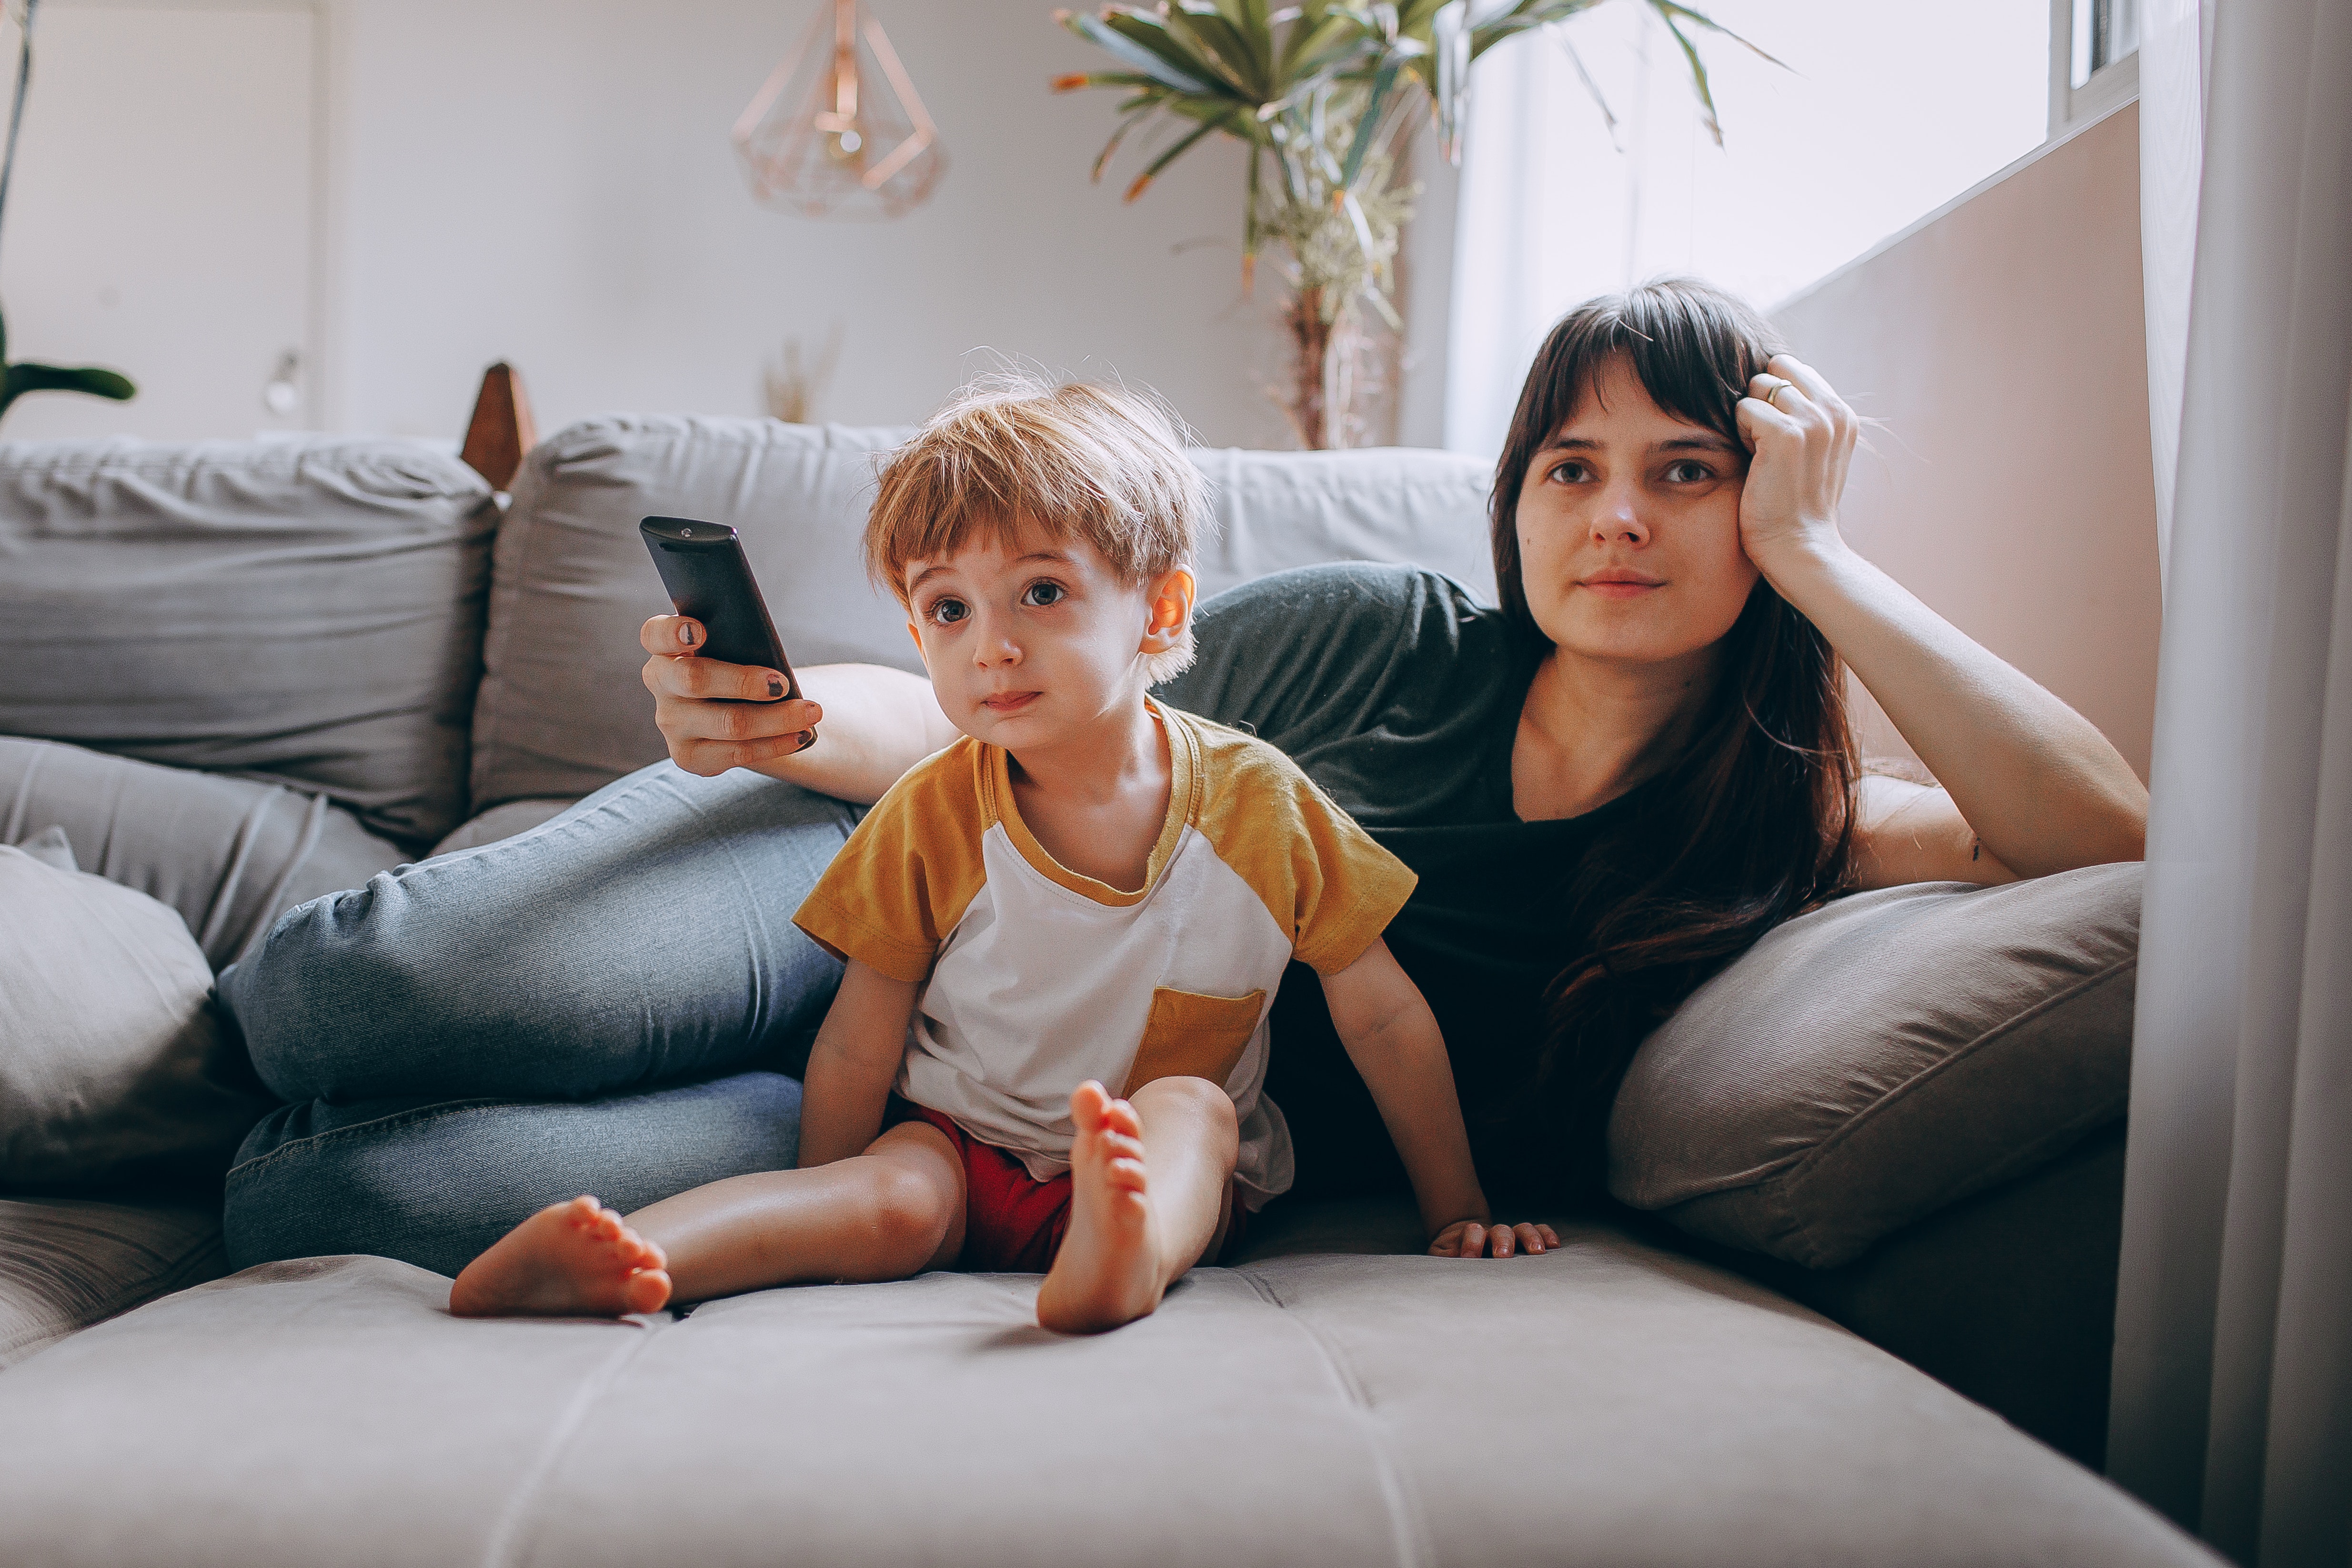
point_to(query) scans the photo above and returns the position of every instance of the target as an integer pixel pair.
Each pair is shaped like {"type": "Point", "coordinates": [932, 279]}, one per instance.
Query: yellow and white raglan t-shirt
{"type": "Point", "coordinates": [1035, 978]}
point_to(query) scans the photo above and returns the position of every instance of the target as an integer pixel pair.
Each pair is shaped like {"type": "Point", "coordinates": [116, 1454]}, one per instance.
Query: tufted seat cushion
{"type": "Point", "coordinates": [1630, 1408]}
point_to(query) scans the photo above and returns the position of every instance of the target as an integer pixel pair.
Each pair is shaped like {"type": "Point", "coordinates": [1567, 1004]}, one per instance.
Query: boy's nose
{"type": "Point", "coordinates": [990, 650]}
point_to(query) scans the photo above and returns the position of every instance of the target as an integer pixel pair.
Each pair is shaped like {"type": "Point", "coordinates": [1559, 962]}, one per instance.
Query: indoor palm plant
{"type": "Point", "coordinates": [1324, 95]}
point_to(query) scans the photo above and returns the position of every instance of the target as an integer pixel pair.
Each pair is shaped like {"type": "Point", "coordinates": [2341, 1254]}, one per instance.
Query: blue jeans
{"type": "Point", "coordinates": [614, 1003]}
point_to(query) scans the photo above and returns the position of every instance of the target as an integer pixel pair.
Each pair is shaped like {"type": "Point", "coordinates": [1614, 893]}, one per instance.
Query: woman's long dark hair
{"type": "Point", "coordinates": [1753, 822]}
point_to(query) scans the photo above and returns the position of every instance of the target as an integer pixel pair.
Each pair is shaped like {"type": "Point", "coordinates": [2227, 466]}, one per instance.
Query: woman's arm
{"type": "Point", "coordinates": [1393, 1039]}
{"type": "Point", "coordinates": [853, 1065]}
{"type": "Point", "coordinates": [2029, 785]}
{"type": "Point", "coordinates": [877, 721]}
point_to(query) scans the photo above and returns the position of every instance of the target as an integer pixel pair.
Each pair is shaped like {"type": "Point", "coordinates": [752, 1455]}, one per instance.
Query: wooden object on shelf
{"type": "Point", "coordinates": [501, 430]}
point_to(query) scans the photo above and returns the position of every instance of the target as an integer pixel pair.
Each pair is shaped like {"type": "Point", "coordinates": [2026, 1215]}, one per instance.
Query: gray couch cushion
{"type": "Point", "coordinates": [67, 1263]}
{"type": "Point", "coordinates": [1869, 1063]}
{"type": "Point", "coordinates": [114, 1068]}
{"type": "Point", "coordinates": [1605, 1403]}
{"type": "Point", "coordinates": [306, 611]}
{"type": "Point", "coordinates": [230, 855]}
{"type": "Point", "coordinates": [563, 711]}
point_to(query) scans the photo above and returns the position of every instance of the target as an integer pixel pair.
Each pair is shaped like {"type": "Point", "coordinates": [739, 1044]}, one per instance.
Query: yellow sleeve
{"type": "Point", "coordinates": [908, 873]}
{"type": "Point", "coordinates": [1319, 875]}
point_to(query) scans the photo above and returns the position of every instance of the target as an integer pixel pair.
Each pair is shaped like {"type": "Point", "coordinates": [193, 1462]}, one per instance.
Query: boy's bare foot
{"type": "Point", "coordinates": [575, 1260]}
{"type": "Point", "coordinates": [1107, 1271]}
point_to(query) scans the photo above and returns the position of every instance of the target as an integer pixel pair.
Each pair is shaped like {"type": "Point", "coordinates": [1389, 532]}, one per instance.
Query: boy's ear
{"type": "Point", "coordinates": [1171, 607]}
{"type": "Point", "coordinates": [918, 644]}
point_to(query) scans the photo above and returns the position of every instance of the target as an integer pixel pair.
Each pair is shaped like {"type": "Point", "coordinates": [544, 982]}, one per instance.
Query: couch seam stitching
{"type": "Point", "coordinates": [1408, 1533]}
{"type": "Point", "coordinates": [502, 1547]}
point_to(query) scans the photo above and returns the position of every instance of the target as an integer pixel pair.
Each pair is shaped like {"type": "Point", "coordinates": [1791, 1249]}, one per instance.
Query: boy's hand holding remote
{"type": "Point", "coordinates": [1088, 889]}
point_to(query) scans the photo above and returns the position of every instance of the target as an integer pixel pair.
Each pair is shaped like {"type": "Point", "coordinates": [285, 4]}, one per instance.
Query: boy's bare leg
{"type": "Point", "coordinates": [1150, 1179]}
{"type": "Point", "coordinates": [886, 1214]}
{"type": "Point", "coordinates": [571, 1260]}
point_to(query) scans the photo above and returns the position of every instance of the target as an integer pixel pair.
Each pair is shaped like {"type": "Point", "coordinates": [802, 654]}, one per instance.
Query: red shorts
{"type": "Point", "coordinates": [1013, 1223]}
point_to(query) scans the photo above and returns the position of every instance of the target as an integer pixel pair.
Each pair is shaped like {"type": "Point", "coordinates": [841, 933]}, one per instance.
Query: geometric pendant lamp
{"type": "Point", "coordinates": [837, 130]}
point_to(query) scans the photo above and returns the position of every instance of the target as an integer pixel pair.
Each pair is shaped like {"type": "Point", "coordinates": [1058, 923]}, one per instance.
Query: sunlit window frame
{"type": "Point", "coordinates": [2108, 88]}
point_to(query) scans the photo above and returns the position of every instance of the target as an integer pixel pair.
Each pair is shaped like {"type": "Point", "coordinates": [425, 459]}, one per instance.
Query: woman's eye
{"type": "Point", "coordinates": [1572, 472]}
{"type": "Point", "coordinates": [948, 612]}
{"type": "Point", "coordinates": [1040, 594]}
{"type": "Point", "coordinates": [1688, 471]}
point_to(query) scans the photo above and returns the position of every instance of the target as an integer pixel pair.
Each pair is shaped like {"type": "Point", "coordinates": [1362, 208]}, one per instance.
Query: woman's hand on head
{"type": "Point", "coordinates": [719, 716]}
{"type": "Point", "coordinates": [1801, 436]}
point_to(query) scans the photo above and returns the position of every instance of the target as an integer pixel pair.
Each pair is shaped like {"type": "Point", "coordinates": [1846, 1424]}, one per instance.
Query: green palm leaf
{"type": "Point", "coordinates": [21, 379]}
{"type": "Point", "coordinates": [1152, 62]}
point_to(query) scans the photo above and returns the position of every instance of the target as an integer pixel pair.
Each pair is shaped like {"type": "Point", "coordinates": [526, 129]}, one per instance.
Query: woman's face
{"type": "Point", "coordinates": [1629, 529]}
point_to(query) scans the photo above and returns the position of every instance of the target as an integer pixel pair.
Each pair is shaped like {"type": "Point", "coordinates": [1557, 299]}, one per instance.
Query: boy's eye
{"type": "Point", "coordinates": [948, 612]}
{"type": "Point", "coordinates": [1041, 594]}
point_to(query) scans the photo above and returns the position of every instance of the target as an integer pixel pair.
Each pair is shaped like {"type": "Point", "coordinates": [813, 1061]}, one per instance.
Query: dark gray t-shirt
{"type": "Point", "coordinates": [1400, 695]}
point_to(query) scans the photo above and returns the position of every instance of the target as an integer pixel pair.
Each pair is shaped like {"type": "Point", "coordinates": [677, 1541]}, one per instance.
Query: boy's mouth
{"type": "Point", "coordinates": [1009, 701]}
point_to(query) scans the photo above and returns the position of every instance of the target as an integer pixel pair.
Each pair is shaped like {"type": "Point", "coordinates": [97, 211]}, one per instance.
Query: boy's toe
{"type": "Point", "coordinates": [1087, 1103]}
{"type": "Point", "coordinates": [648, 1290]}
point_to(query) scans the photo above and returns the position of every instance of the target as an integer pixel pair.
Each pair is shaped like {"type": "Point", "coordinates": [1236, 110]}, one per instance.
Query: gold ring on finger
{"type": "Point", "coordinates": [1774, 397]}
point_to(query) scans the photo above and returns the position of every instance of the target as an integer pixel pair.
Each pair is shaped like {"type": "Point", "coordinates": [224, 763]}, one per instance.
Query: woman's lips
{"type": "Point", "coordinates": [1614, 587]}
{"type": "Point", "coordinates": [1009, 701]}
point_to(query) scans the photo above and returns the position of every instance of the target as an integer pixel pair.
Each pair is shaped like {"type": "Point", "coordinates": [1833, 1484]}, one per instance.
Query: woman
{"type": "Point", "coordinates": [1611, 786]}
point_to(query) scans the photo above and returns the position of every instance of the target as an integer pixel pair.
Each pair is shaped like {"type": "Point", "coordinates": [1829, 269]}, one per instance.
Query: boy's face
{"type": "Point", "coordinates": [1030, 641]}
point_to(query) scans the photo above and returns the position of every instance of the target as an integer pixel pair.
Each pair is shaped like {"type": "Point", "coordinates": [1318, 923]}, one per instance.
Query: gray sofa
{"type": "Point", "coordinates": [236, 677]}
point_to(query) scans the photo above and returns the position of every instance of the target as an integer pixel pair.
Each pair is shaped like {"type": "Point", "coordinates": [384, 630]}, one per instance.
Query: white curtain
{"type": "Point", "coordinates": [2233, 1403]}
{"type": "Point", "coordinates": [2171, 149]}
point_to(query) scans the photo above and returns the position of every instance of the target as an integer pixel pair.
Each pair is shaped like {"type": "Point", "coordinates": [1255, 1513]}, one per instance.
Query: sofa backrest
{"type": "Point", "coordinates": [562, 711]}
{"type": "Point", "coordinates": [308, 611]}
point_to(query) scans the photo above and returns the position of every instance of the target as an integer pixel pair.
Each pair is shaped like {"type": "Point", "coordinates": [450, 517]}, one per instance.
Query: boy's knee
{"type": "Point", "coordinates": [1197, 1100]}
{"type": "Point", "coordinates": [909, 1214]}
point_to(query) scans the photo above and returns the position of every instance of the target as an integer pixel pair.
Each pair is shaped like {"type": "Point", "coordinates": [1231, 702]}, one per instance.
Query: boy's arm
{"type": "Point", "coordinates": [1393, 1039]}
{"type": "Point", "coordinates": [853, 1065]}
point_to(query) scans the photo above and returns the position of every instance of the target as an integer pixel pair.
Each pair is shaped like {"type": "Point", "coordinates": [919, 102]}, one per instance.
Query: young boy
{"type": "Point", "coordinates": [1087, 889]}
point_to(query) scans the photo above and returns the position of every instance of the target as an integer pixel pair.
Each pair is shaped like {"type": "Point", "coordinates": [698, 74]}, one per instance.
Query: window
{"type": "Point", "coordinates": [1883, 114]}
{"type": "Point", "coordinates": [2094, 60]}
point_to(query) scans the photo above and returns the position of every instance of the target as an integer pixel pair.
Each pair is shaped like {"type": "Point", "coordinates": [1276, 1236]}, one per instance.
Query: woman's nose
{"type": "Point", "coordinates": [1619, 521]}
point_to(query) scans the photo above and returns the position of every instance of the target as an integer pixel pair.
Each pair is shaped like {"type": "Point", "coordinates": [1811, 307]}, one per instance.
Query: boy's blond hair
{"type": "Point", "coordinates": [1078, 461]}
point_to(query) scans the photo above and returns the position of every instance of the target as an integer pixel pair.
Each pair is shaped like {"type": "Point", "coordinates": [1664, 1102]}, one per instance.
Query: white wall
{"type": "Point", "coordinates": [2002, 344]}
{"type": "Point", "coordinates": [551, 182]}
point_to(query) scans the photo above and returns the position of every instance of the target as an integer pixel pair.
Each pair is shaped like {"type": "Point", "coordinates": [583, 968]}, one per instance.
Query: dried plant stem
{"type": "Point", "coordinates": [1310, 391]}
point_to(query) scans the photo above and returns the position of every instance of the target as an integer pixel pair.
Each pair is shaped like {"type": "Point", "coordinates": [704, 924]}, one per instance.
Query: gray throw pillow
{"type": "Point", "coordinates": [115, 1072]}
{"type": "Point", "coordinates": [1869, 1063]}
